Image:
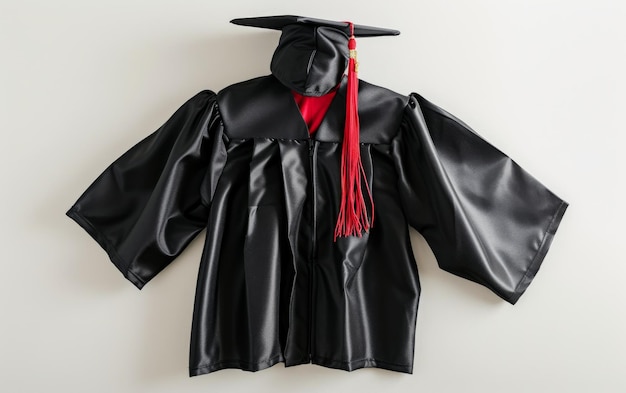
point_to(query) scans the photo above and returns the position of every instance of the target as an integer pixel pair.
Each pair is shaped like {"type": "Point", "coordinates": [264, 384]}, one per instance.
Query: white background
{"type": "Point", "coordinates": [81, 82]}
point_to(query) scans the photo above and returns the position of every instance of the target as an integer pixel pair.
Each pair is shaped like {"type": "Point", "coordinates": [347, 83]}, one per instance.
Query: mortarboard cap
{"type": "Point", "coordinates": [312, 54]}
{"type": "Point", "coordinates": [279, 22]}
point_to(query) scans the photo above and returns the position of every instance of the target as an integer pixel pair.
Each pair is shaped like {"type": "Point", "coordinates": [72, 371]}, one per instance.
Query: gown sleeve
{"type": "Point", "coordinates": [146, 207]}
{"type": "Point", "coordinates": [485, 218]}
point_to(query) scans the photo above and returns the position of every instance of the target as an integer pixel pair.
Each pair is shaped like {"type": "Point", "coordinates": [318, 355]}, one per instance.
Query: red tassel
{"type": "Point", "coordinates": [352, 219]}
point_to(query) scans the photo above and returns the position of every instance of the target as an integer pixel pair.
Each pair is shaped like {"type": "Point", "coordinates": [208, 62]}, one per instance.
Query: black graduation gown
{"type": "Point", "coordinates": [272, 285]}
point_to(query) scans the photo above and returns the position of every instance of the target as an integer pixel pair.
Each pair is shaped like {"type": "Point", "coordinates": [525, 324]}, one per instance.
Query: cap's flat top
{"type": "Point", "coordinates": [280, 21]}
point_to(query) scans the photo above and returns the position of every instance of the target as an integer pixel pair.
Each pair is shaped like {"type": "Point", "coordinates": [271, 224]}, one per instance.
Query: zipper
{"type": "Point", "coordinates": [313, 162]}
{"type": "Point", "coordinates": [313, 215]}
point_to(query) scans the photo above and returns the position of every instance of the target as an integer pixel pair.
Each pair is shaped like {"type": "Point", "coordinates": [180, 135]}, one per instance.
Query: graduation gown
{"type": "Point", "coordinates": [272, 285]}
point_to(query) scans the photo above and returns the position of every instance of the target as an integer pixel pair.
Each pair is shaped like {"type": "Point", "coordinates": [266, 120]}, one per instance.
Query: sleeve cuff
{"type": "Point", "coordinates": [121, 265]}
{"type": "Point", "coordinates": [540, 255]}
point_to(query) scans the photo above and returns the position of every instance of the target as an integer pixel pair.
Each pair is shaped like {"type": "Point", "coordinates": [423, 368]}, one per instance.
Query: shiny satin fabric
{"type": "Point", "coordinates": [272, 285]}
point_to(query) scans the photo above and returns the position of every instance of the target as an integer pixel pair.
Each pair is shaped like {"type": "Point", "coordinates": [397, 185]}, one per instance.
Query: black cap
{"type": "Point", "coordinates": [280, 21]}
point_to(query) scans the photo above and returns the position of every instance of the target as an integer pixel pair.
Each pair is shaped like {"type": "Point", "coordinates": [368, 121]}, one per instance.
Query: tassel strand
{"type": "Point", "coordinates": [352, 218]}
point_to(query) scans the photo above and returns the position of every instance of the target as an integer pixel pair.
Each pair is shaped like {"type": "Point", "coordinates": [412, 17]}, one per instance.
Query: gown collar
{"type": "Point", "coordinates": [331, 127]}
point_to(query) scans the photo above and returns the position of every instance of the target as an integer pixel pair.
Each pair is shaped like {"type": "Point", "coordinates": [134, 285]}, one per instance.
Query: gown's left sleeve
{"type": "Point", "coordinates": [146, 206]}
{"type": "Point", "coordinates": [485, 218]}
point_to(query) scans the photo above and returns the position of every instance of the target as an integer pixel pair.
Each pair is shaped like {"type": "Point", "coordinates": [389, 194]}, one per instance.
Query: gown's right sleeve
{"type": "Point", "coordinates": [146, 206]}
{"type": "Point", "coordinates": [485, 218]}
